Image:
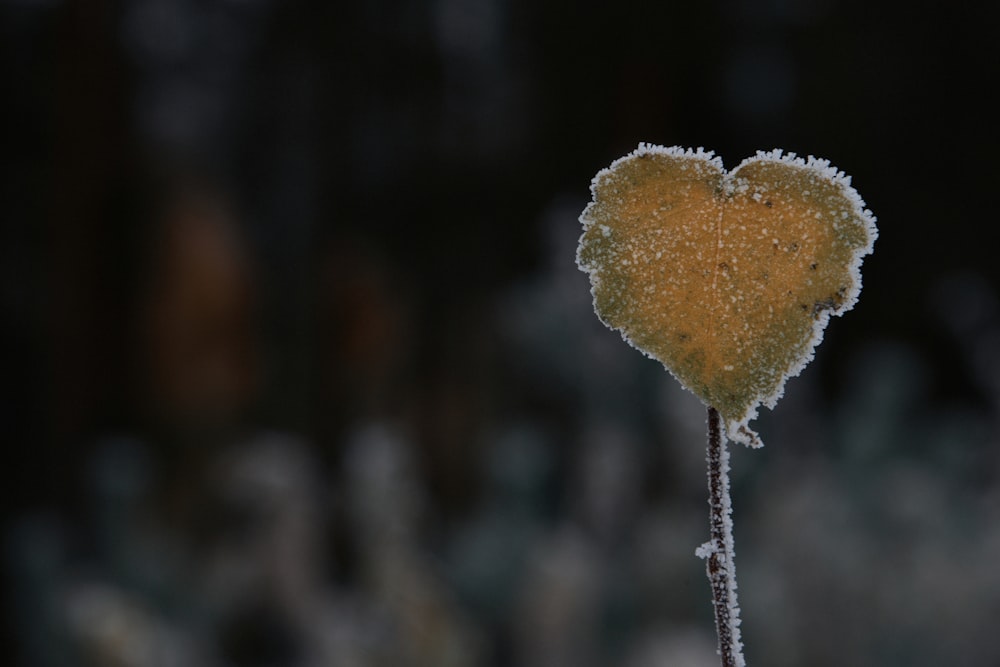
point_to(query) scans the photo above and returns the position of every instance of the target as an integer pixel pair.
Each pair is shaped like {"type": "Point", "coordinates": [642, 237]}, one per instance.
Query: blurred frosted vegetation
{"type": "Point", "coordinates": [299, 369]}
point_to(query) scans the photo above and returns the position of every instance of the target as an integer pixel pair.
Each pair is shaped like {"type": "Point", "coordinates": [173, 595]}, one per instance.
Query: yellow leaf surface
{"type": "Point", "coordinates": [727, 278]}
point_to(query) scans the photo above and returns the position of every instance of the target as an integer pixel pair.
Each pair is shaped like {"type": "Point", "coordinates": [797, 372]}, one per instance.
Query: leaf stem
{"type": "Point", "coordinates": [719, 551]}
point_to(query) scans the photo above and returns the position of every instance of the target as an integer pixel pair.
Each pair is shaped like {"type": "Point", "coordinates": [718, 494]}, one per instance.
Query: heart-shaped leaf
{"type": "Point", "coordinates": [728, 279]}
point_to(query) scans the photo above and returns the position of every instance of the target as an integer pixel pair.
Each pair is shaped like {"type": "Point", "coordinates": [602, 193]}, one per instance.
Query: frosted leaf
{"type": "Point", "coordinates": [727, 278]}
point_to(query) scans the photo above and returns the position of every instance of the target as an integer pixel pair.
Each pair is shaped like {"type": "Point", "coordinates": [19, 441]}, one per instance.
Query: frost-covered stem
{"type": "Point", "coordinates": [719, 550]}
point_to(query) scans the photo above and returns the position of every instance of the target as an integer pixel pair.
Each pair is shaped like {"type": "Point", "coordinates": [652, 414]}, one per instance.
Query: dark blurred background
{"type": "Point", "coordinates": [299, 369]}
